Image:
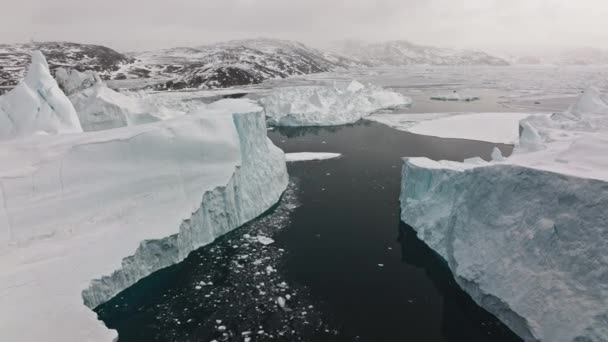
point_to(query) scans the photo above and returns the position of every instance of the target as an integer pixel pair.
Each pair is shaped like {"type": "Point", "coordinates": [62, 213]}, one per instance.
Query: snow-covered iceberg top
{"type": "Point", "coordinates": [37, 105]}
{"type": "Point", "coordinates": [101, 108]}
{"type": "Point", "coordinates": [72, 81]}
{"type": "Point", "coordinates": [525, 236]}
{"type": "Point", "coordinates": [307, 156]}
{"type": "Point", "coordinates": [74, 207]}
{"type": "Point", "coordinates": [327, 105]}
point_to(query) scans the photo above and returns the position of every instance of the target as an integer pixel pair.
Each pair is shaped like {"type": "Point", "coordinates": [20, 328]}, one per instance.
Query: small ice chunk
{"type": "Point", "coordinates": [281, 302]}
{"type": "Point", "coordinates": [264, 240]}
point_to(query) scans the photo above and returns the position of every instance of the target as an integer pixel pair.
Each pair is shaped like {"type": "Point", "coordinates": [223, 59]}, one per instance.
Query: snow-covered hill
{"type": "Point", "coordinates": [401, 52]}
{"type": "Point", "coordinates": [238, 62]}
{"type": "Point", "coordinates": [15, 58]}
{"type": "Point", "coordinates": [233, 63]}
{"type": "Point", "coordinates": [572, 56]}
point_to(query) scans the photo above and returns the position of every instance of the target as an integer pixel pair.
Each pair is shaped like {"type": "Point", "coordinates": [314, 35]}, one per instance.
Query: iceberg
{"type": "Point", "coordinates": [526, 236]}
{"type": "Point", "coordinates": [99, 107]}
{"type": "Point", "coordinates": [37, 105]}
{"type": "Point", "coordinates": [84, 216]}
{"type": "Point", "coordinates": [328, 105]}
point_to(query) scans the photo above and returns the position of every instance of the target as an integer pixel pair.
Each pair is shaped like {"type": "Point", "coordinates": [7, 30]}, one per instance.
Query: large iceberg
{"type": "Point", "coordinates": [328, 105]}
{"type": "Point", "coordinates": [526, 236]}
{"type": "Point", "coordinates": [37, 105]}
{"type": "Point", "coordinates": [84, 216]}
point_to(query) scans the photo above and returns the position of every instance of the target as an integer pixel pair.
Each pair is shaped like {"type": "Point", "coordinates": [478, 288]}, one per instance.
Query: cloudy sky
{"type": "Point", "coordinates": [129, 25]}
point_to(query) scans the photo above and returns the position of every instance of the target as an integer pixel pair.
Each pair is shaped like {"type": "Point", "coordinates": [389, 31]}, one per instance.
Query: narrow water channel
{"type": "Point", "coordinates": [341, 267]}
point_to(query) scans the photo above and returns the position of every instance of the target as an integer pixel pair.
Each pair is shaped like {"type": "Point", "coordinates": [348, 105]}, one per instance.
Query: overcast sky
{"type": "Point", "coordinates": [128, 25]}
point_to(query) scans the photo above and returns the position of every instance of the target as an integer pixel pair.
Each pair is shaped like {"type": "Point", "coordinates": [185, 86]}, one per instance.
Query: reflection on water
{"type": "Point", "coordinates": [460, 313]}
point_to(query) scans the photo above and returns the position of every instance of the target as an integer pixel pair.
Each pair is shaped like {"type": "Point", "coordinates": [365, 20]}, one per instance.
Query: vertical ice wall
{"type": "Point", "coordinates": [255, 186]}
{"type": "Point", "coordinates": [528, 245]}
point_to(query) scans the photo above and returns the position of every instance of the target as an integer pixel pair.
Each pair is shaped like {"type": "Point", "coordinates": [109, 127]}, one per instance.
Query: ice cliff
{"type": "Point", "coordinates": [526, 236]}
{"type": "Point", "coordinates": [83, 216]}
{"type": "Point", "coordinates": [36, 105]}
{"type": "Point", "coordinates": [327, 105]}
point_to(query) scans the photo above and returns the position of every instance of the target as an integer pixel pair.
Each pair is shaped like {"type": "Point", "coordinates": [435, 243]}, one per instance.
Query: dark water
{"type": "Point", "coordinates": [351, 270]}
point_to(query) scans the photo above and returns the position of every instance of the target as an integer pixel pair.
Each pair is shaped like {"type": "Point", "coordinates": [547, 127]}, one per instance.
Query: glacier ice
{"type": "Point", "coordinates": [37, 105]}
{"type": "Point", "coordinates": [526, 236]}
{"type": "Point", "coordinates": [116, 205]}
{"type": "Point", "coordinates": [327, 105]}
{"type": "Point", "coordinates": [100, 107]}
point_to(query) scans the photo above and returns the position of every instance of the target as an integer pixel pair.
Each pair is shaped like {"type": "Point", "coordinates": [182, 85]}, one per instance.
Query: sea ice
{"type": "Point", "coordinates": [454, 96]}
{"type": "Point", "coordinates": [37, 105]}
{"type": "Point", "coordinates": [490, 127]}
{"type": "Point", "coordinates": [526, 236]}
{"type": "Point", "coordinates": [307, 156]}
{"type": "Point", "coordinates": [327, 105]}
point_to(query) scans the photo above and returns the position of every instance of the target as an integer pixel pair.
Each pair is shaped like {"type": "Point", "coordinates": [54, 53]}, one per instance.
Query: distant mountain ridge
{"type": "Point", "coordinates": [238, 62]}
{"type": "Point", "coordinates": [570, 56]}
{"type": "Point", "coordinates": [14, 59]}
{"type": "Point", "coordinates": [232, 63]}
{"type": "Point", "coordinates": [402, 52]}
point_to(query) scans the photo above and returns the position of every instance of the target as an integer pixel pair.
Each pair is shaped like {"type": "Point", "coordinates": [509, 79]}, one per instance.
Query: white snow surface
{"type": "Point", "coordinates": [37, 105]}
{"type": "Point", "coordinates": [307, 156]}
{"type": "Point", "coordinates": [490, 127]}
{"type": "Point", "coordinates": [526, 236]}
{"type": "Point", "coordinates": [328, 105]}
{"type": "Point", "coordinates": [117, 205]}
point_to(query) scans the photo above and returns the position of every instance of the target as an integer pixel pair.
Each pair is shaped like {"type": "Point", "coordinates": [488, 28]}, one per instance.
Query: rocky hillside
{"type": "Point", "coordinates": [16, 57]}
{"type": "Point", "coordinates": [233, 63]}
{"type": "Point", "coordinates": [238, 62]}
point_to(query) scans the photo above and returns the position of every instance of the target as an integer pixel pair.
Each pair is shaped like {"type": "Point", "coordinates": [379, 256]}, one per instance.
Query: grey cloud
{"type": "Point", "coordinates": [139, 24]}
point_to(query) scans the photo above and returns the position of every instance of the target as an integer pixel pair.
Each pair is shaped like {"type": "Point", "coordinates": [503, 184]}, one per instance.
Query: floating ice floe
{"type": "Point", "coordinates": [490, 127]}
{"type": "Point", "coordinates": [454, 96]}
{"type": "Point", "coordinates": [84, 216]}
{"type": "Point", "coordinates": [526, 236]}
{"type": "Point", "coordinates": [307, 156]}
{"type": "Point", "coordinates": [327, 105]}
{"type": "Point", "coordinates": [37, 105]}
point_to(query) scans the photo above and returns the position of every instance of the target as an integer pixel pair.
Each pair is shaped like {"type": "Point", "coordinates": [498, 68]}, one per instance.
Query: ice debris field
{"type": "Point", "coordinates": [100, 188]}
